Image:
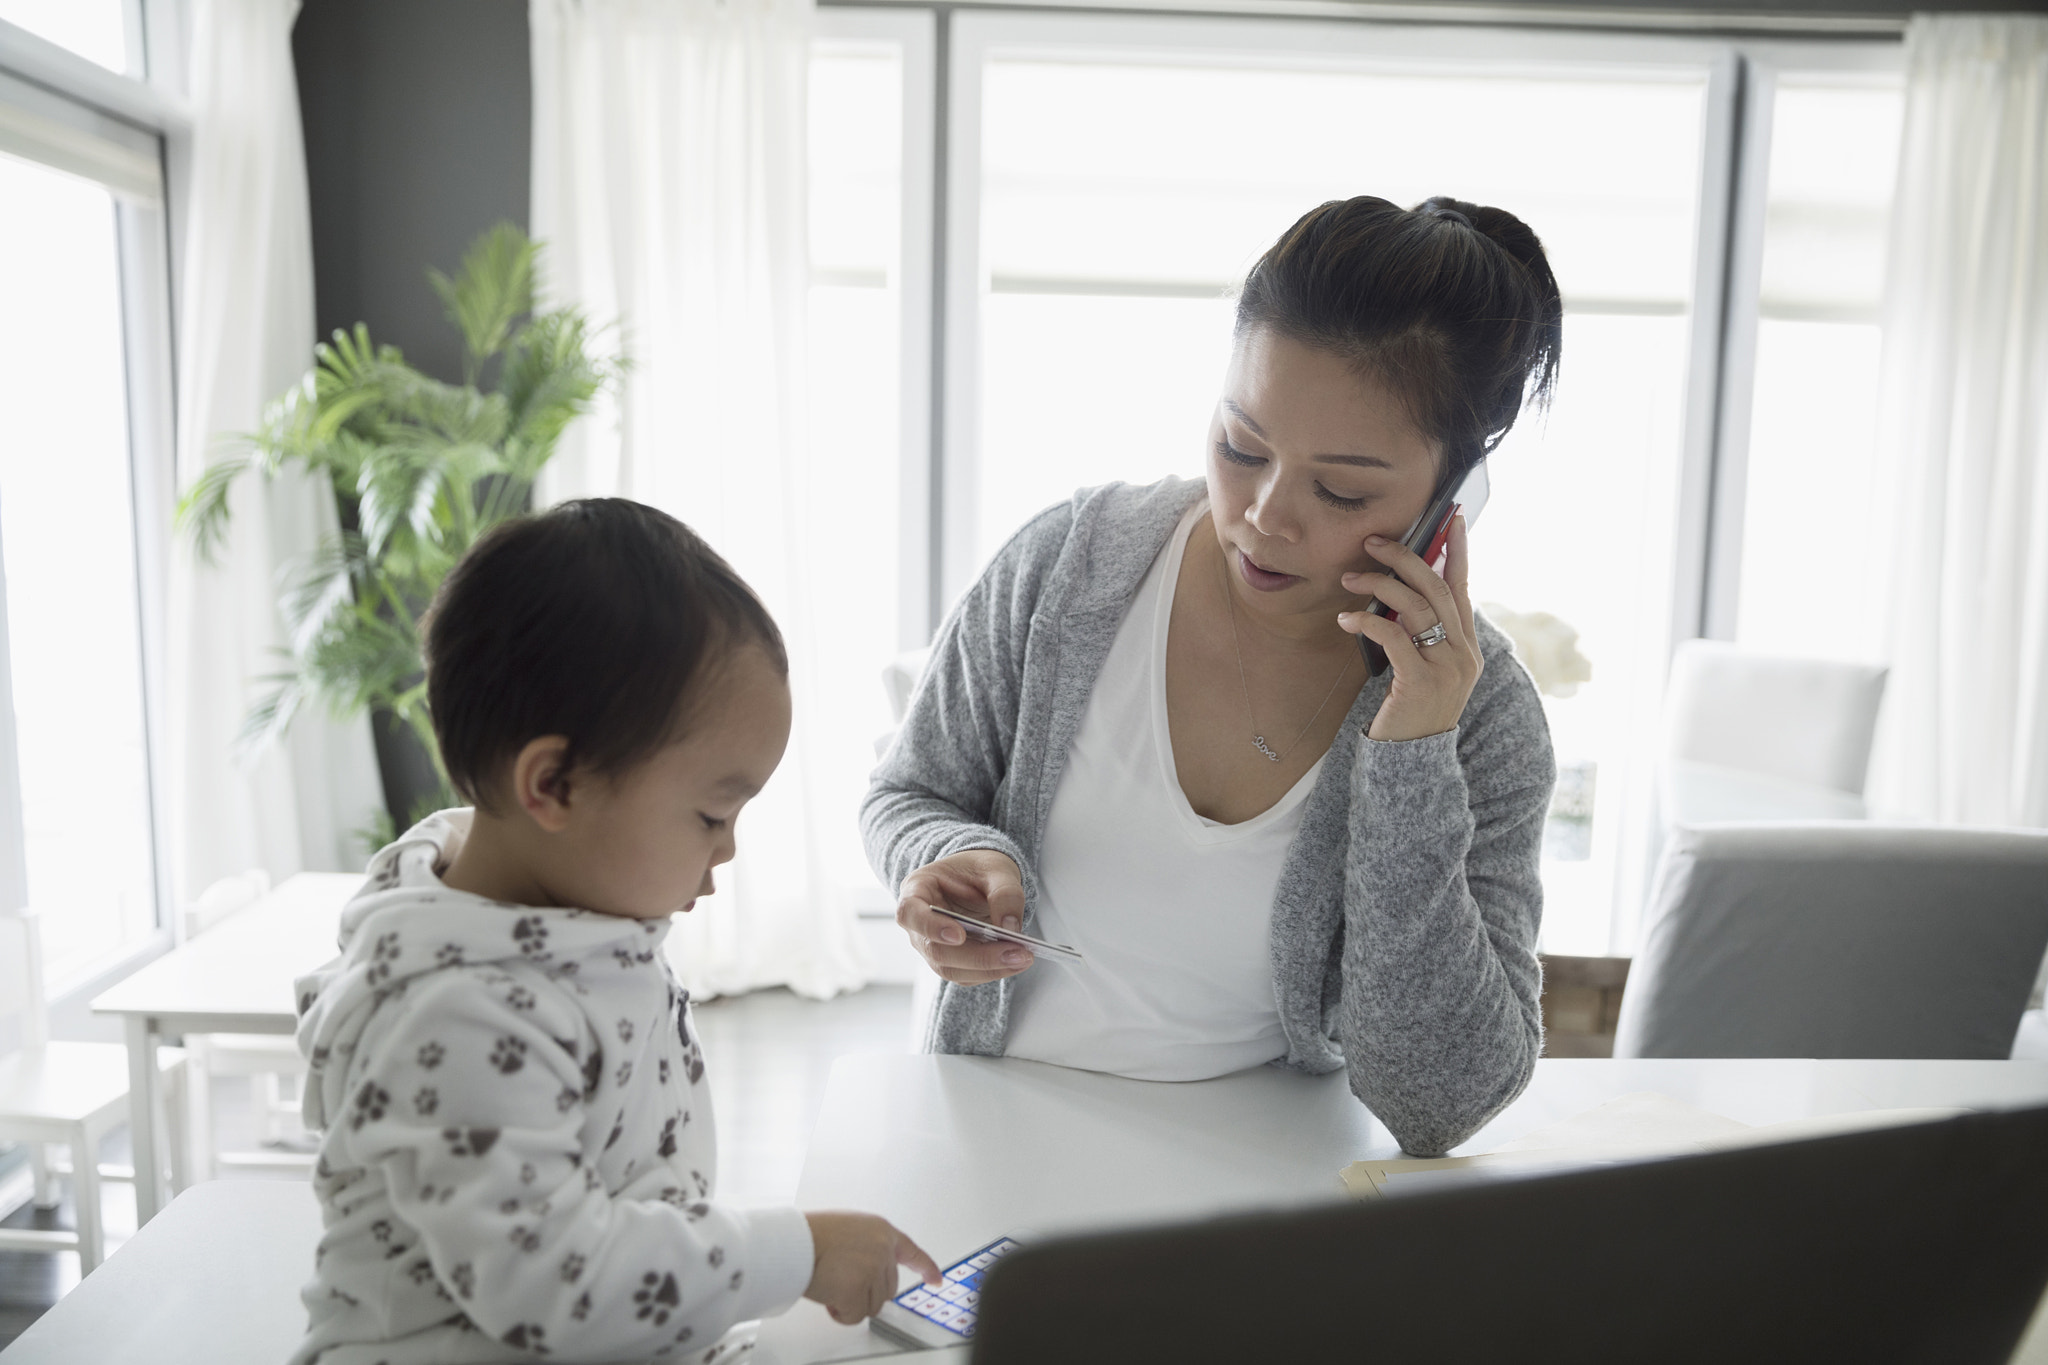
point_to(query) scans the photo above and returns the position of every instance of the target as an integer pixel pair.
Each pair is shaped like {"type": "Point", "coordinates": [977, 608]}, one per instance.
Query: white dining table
{"type": "Point", "coordinates": [956, 1150]}
{"type": "Point", "coordinates": [235, 978]}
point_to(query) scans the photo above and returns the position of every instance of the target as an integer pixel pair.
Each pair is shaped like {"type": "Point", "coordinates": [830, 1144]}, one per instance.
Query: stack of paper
{"type": "Point", "coordinates": [1631, 1128]}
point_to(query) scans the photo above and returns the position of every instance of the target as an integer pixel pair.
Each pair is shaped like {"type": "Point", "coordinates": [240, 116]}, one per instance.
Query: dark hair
{"type": "Point", "coordinates": [1449, 304]}
{"type": "Point", "coordinates": [597, 620]}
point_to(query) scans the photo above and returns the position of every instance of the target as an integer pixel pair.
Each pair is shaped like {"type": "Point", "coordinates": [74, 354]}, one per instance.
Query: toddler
{"type": "Point", "coordinates": [518, 1157]}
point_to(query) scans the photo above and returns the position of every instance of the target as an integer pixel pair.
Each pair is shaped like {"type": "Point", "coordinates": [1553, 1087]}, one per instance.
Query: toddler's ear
{"type": "Point", "coordinates": [541, 781]}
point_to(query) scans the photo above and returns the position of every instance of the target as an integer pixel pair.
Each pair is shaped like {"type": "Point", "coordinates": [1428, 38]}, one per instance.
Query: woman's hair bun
{"type": "Point", "coordinates": [1451, 304]}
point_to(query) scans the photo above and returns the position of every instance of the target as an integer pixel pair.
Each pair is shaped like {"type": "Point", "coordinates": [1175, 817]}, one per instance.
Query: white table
{"type": "Point", "coordinates": [235, 978]}
{"type": "Point", "coordinates": [213, 1281]}
{"type": "Point", "coordinates": [955, 1149]}
{"type": "Point", "coordinates": [958, 1150]}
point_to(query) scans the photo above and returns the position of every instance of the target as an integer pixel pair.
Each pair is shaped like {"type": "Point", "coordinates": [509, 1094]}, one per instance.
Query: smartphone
{"type": "Point", "coordinates": [1430, 539]}
{"type": "Point", "coordinates": [942, 1317]}
{"type": "Point", "coordinates": [995, 933]}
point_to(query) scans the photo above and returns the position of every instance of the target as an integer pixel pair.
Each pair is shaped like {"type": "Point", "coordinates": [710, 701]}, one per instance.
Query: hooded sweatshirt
{"type": "Point", "coordinates": [518, 1158]}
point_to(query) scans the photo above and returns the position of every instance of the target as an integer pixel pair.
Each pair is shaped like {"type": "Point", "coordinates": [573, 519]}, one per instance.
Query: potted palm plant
{"type": "Point", "coordinates": [420, 470]}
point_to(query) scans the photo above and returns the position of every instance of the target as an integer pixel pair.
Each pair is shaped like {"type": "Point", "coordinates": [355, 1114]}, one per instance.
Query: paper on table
{"type": "Point", "coordinates": [1626, 1128]}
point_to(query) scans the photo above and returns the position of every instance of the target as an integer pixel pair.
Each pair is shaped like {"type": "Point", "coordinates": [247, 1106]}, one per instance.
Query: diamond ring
{"type": "Point", "coordinates": [1435, 635]}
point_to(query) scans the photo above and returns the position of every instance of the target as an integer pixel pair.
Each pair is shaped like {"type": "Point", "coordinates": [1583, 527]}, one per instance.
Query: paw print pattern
{"type": "Point", "coordinates": [420, 1272]}
{"type": "Point", "coordinates": [449, 955]}
{"type": "Point", "coordinates": [383, 953]}
{"type": "Point", "coordinates": [671, 1195]}
{"type": "Point", "coordinates": [566, 1101]}
{"type": "Point", "coordinates": [520, 998]}
{"type": "Point", "coordinates": [581, 1308]}
{"type": "Point", "coordinates": [469, 1141]}
{"type": "Point", "coordinates": [657, 1298]}
{"type": "Point", "coordinates": [530, 936]}
{"type": "Point", "coordinates": [528, 1336]}
{"type": "Point", "coordinates": [370, 1102]}
{"type": "Point", "coordinates": [508, 1207]}
{"type": "Point", "coordinates": [526, 1239]}
{"type": "Point", "coordinates": [738, 1278]}
{"type": "Point", "coordinates": [667, 1146]}
{"type": "Point", "coordinates": [696, 1211]}
{"type": "Point", "coordinates": [509, 1055]}
{"type": "Point", "coordinates": [429, 1056]}
{"type": "Point", "coordinates": [661, 1071]}
{"type": "Point", "coordinates": [572, 1268]}
{"type": "Point", "coordinates": [381, 1229]}
{"type": "Point", "coordinates": [703, 1185]}
{"type": "Point", "coordinates": [527, 1174]}
{"type": "Point", "coordinates": [625, 1030]}
{"type": "Point", "coordinates": [426, 1101]}
{"type": "Point", "coordinates": [717, 1257]}
{"type": "Point", "coordinates": [463, 1277]}
{"type": "Point", "coordinates": [625, 1073]}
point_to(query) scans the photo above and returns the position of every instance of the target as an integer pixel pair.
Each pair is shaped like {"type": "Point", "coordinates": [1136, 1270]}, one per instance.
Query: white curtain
{"type": "Point", "coordinates": [1964, 428]}
{"type": "Point", "coordinates": [245, 334]}
{"type": "Point", "coordinates": [669, 186]}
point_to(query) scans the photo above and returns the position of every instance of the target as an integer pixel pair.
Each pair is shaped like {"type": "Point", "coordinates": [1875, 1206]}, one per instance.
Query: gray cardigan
{"type": "Point", "coordinates": [1404, 925]}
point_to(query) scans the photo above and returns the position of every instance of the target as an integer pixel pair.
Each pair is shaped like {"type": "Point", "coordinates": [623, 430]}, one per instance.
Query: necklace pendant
{"type": "Point", "coordinates": [1259, 743]}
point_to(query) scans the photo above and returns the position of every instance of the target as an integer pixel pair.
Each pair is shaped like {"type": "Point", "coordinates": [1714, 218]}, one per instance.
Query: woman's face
{"type": "Point", "coordinates": [1307, 459]}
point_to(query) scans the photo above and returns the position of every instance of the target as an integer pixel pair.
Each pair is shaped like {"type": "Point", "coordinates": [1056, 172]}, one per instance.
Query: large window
{"type": "Point", "coordinates": [1107, 180]}
{"type": "Point", "coordinates": [84, 369]}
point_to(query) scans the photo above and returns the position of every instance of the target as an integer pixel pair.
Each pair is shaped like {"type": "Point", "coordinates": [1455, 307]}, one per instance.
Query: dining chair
{"type": "Point", "coordinates": [1838, 939]}
{"type": "Point", "coordinates": [67, 1096]}
{"type": "Point", "coordinates": [1808, 721]}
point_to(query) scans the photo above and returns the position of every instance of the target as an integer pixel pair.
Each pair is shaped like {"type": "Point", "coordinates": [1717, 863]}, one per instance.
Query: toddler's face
{"type": "Point", "coordinates": [643, 844]}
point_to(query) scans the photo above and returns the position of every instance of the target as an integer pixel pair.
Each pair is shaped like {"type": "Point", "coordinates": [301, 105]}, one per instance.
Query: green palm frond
{"type": "Point", "coordinates": [203, 511]}
{"type": "Point", "coordinates": [490, 291]}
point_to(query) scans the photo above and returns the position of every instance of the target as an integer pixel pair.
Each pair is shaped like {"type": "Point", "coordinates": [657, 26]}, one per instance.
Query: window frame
{"type": "Point", "coordinates": [122, 109]}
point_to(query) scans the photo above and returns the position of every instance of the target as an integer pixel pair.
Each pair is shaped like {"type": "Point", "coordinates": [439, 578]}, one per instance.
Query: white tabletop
{"type": "Point", "coordinates": [212, 1280]}
{"type": "Point", "coordinates": [959, 1150]}
{"type": "Point", "coordinates": [956, 1150]}
{"type": "Point", "coordinates": [237, 977]}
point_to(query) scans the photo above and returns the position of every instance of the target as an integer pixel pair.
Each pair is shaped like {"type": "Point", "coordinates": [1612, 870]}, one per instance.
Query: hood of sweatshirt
{"type": "Point", "coordinates": [406, 923]}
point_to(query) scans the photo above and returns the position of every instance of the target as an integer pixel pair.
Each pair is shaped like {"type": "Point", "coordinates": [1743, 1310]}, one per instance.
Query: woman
{"type": "Point", "coordinates": [1148, 730]}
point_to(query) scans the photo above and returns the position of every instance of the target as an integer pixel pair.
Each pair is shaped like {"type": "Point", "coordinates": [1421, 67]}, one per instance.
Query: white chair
{"type": "Point", "coordinates": [270, 1062]}
{"type": "Point", "coordinates": [1806, 721]}
{"type": "Point", "coordinates": [1845, 939]}
{"type": "Point", "coordinates": [68, 1095]}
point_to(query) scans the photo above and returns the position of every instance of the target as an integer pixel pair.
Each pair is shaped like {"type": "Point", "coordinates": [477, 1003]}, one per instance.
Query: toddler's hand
{"type": "Point", "coordinates": [857, 1256]}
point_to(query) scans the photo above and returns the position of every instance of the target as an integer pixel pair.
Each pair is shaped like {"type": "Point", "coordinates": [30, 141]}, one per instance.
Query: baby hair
{"type": "Point", "coordinates": [1451, 305]}
{"type": "Point", "coordinates": [600, 620]}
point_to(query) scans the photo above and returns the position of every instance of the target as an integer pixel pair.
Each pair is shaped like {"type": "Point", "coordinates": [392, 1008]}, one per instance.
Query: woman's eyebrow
{"type": "Point", "coordinates": [1362, 461]}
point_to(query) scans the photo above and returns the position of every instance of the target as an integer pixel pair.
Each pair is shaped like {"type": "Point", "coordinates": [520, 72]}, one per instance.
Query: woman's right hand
{"type": "Point", "coordinates": [981, 882]}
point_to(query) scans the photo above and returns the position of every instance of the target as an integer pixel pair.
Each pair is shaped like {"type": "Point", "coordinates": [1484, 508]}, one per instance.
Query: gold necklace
{"type": "Point", "coordinates": [1259, 740]}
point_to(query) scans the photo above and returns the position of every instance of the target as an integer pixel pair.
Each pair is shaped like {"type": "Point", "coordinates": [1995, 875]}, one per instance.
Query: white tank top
{"type": "Point", "coordinates": [1171, 911]}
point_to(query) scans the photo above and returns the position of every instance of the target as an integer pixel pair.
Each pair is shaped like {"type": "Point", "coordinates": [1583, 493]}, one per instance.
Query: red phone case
{"type": "Point", "coordinates": [1439, 552]}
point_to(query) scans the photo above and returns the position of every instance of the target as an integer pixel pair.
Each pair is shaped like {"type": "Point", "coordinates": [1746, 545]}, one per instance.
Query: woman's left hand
{"type": "Point", "coordinates": [1432, 682]}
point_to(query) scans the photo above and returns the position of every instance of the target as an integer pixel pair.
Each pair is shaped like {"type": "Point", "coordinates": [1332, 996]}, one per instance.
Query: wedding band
{"type": "Point", "coordinates": [1433, 636]}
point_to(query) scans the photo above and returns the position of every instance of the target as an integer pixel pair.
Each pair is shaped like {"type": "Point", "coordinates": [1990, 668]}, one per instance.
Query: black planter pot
{"type": "Point", "coordinates": [412, 785]}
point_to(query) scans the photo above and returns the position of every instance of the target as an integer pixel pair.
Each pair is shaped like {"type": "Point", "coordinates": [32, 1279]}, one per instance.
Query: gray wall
{"type": "Point", "coordinates": [417, 116]}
